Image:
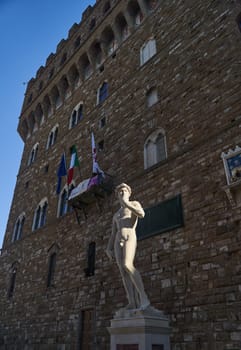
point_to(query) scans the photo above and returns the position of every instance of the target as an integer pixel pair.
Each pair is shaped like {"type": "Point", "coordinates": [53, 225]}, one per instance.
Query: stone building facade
{"type": "Point", "coordinates": [158, 83]}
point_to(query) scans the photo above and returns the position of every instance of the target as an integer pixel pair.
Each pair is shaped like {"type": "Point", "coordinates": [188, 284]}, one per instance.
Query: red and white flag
{"type": "Point", "coordinates": [74, 162]}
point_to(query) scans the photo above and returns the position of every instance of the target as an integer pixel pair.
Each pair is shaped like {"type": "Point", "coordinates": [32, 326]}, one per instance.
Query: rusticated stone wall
{"type": "Point", "coordinates": [192, 273]}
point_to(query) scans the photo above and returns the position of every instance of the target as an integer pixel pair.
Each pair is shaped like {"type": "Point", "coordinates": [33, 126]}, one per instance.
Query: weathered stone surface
{"type": "Point", "coordinates": [192, 273]}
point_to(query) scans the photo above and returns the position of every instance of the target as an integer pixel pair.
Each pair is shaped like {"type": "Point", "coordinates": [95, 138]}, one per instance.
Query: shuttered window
{"type": "Point", "coordinates": [165, 216]}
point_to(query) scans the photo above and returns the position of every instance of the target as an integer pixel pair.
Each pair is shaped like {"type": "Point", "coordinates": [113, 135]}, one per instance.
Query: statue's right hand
{"type": "Point", "coordinates": [110, 254]}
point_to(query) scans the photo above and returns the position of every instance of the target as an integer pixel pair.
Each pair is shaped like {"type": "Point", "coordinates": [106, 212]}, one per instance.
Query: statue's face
{"type": "Point", "coordinates": [123, 192]}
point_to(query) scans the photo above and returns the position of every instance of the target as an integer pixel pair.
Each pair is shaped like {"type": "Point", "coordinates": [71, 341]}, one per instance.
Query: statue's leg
{"type": "Point", "coordinates": [129, 288]}
{"type": "Point", "coordinates": [128, 285]}
{"type": "Point", "coordinates": [128, 258]}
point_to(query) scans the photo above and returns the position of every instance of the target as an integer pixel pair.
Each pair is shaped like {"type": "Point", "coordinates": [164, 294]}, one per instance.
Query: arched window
{"type": "Point", "coordinates": [147, 51]}
{"type": "Point", "coordinates": [40, 215]}
{"type": "Point", "coordinates": [56, 97]}
{"type": "Point", "coordinates": [92, 23]}
{"type": "Point", "coordinates": [33, 154]}
{"type": "Point", "coordinates": [155, 148]}
{"type": "Point", "coordinates": [77, 115]}
{"type": "Point", "coordinates": [85, 66]}
{"type": "Point", "coordinates": [135, 13]}
{"type": "Point", "coordinates": [64, 207]}
{"type": "Point", "coordinates": [47, 106]}
{"type": "Point", "coordinates": [102, 93]}
{"type": "Point", "coordinates": [39, 114]}
{"type": "Point", "coordinates": [106, 7]}
{"type": "Point", "coordinates": [96, 53]}
{"type": "Point", "coordinates": [18, 228]}
{"type": "Point", "coordinates": [109, 40]}
{"type": "Point", "coordinates": [65, 88]}
{"type": "Point", "coordinates": [52, 136]}
{"type": "Point", "coordinates": [74, 77]}
{"type": "Point", "coordinates": [122, 26]}
{"type": "Point", "coordinates": [63, 58]}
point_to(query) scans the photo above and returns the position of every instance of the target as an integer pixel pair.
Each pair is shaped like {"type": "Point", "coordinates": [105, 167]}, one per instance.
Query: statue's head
{"type": "Point", "coordinates": [121, 186]}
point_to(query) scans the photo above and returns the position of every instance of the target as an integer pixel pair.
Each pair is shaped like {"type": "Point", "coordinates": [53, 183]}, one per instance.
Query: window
{"type": "Point", "coordinates": [109, 40]}
{"type": "Point", "coordinates": [101, 146]}
{"type": "Point", "coordinates": [40, 86]}
{"type": "Point", "coordinates": [134, 12]}
{"type": "Point", "coordinates": [102, 93]}
{"type": "Point", "coordinates": [74, 77]}
{"type": "Point", "coordinates": [92, 24]}
{"type": "Point", "coordinates": [106, 7]}
{"type": "Point", "coordinates": [33, 154]}
{"type": "Point", "coordinates": [30, 98]}
{"type": "Point", "coordinates": [239, 21]}
{"type": "Point", "coordinates": [51, 73]}
{"type": "Point", "coordinates": [90, 270]}
{"type": "Point", "coordinates": [65, 88]}
{"type": "Point", "coordinates": [47, 107]}
{"type": "Point", "coordinates": [122, 26]}
{"type": "Point", "coordinates": [163, 217]}
{"type": "Point", "coordinates": [87, 71]}
{"type": "Point", "coordinates": [151, 4]}
{"type": "Point", "coordinates": [102, 122]}
{"type": "Point", "coordinates": [96, 53]}
{"type": "Point", "coordinates": [46, 168]}
{"type": "Point", "coordinates": [51, 269]}
{"type": "Point", "coordinates": [155, 148]}
{"type": "Point", "coordinates": [63, 209]}
{"type": "Point", "coordinates": [63, 206]}
{"type": "Point", "coordinates": [40, 215]}
{"type": "Point", "coordinates": [18, 228]}
{"type": "Point", "coordinates": [151, 97]}
{"type": "Point", "coordinates": [56, 97]}
{"type": "Point", "coordinates": [39, 114]}
{"type": "Point", "coordinates": [86, 68]}
{"type": "Point", "coordinates": [12, 281]}
{"type": "Point", "coordinates": [52, 136]}
{"type": "Point", "coordinates": [147, 51]}
{"type": "Point", "coordinates": [76, 115]}
{"type": "Point", "coordinates": [63, 58]}
{"type": "Point", "coordinates": [138, 18]}
{"type": "Point", "coordinates": [77, 42]}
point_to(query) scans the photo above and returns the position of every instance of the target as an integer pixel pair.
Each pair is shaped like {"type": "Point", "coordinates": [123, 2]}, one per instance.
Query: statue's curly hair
{"type": "Point", "coordinates": [118, 187]}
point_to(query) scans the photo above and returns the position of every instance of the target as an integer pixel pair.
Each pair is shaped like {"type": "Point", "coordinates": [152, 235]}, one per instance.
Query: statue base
{"type": "Point", "coordinates": [139, 330]}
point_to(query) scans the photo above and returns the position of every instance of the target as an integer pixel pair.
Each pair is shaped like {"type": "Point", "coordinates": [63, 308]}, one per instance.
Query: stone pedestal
{"type": "Point", "coordinates": [139, 330]}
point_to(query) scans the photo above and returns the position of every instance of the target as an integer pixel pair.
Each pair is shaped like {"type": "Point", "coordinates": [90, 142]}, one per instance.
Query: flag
{"type": "Point", "coordinates": [95, 169]}
{"type": "Point", "coordinates": [62, 171]}
{"type": "Point", "coordinates": [74, 162]}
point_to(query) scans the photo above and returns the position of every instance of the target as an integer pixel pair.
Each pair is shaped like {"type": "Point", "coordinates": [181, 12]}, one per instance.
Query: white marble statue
{"type": "Point", "coordinates": [122, 244]}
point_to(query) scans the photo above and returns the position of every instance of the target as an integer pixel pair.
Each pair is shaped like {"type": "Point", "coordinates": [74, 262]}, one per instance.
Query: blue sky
{"type": "Point", "coordinates": [30, 31]}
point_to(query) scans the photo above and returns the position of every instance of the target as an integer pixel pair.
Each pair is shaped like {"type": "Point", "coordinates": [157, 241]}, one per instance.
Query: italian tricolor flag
{"type": "Point", "coordinates": [74, 162]}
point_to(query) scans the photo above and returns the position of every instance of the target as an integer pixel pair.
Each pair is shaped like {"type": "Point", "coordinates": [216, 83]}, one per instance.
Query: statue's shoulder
{"type": "Point", "coordinates": [136, 203]}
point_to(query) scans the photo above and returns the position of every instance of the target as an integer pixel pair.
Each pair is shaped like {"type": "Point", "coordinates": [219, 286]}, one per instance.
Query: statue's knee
{"type": "Point", "coordinates": [128, 267]}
